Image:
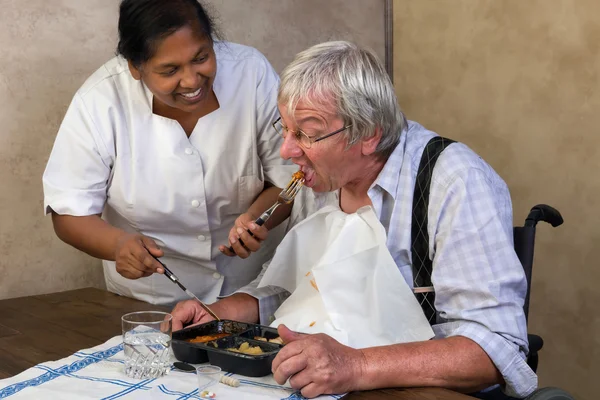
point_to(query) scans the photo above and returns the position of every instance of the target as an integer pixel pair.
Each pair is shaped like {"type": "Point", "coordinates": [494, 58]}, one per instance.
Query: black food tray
{"type": "Point", "coordinates": [215, 351]}
{"type": "Point", "coordinates": [195, 353]}
{"type": "Point", "coordinates": [239, 363]}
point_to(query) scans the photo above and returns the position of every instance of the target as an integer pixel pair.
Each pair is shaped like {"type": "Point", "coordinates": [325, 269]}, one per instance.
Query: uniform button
{"type": "Point", "coordinates": [195, 203]}
{"type": "Point", "coordinates": [201, 237]}
{"type": "Point", "coordinates": [217, 275]}
{"type": "Point", "coordinates": [271, 319]}
{"type": "Point", "coordinates": [189, 151]}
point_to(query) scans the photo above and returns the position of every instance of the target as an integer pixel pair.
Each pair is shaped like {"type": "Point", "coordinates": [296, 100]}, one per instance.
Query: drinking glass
{"type": "Point", "coordinates": [207, 375]}
{"type": "Point", "coordinates": [147, 343]}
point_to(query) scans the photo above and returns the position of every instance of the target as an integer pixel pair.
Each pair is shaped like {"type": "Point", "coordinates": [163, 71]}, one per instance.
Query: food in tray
{"type": "Point", "coordinates": [298, 175]}
{"type": "Point", "coordinates": [246, 348]}
{"type": "Point", "coordinates": [276, 340]}
{"type": "Point", "coordinates": [207, 338]}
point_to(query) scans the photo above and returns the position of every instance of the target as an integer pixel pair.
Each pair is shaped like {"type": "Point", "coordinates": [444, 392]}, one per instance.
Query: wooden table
{"type": "Point", "coordinates": [48, 327]}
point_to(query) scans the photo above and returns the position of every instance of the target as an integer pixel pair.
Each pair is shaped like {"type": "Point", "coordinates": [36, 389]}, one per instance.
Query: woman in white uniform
{"type": "Point", "coordinates": [168, 150]}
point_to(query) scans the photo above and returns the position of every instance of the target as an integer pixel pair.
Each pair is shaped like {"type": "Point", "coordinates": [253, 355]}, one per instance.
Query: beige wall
{"type": "Point", "coordinates": [518, 81]}
{"type": "Point", "coordinates": [49, 47]}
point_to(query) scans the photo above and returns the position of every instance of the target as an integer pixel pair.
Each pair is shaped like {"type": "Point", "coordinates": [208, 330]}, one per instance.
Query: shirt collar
{"type": "Point", "coordinates": [388, 178]}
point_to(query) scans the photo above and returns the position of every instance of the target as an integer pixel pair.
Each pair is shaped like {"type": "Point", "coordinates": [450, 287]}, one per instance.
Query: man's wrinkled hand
{"type": "Point", "coordinates": [317, 364]}
{"type": "Point", "coordinates": [239, 233]}
{"type": "Point", "coordinates": [189, 312]}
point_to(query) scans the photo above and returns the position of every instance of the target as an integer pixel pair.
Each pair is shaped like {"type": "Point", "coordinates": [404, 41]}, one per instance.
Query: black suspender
{"type": "Point", "coordinates": [421, 264]}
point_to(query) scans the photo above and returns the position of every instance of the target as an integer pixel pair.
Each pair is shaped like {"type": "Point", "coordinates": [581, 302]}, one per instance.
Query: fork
{"type": "Point", "coordinates": [286, 196]}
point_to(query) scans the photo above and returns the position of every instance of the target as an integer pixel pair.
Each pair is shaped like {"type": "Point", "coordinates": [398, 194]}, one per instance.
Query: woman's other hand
{"type": "Point", "coordinates": [251, 243]}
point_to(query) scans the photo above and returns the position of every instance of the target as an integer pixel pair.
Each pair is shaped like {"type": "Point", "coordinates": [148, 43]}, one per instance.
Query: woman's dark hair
{"type": "Point", "coordinates": [144, 23]}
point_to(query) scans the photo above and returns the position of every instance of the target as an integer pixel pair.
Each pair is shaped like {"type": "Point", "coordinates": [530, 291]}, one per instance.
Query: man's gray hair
{"type": "Point", "coordinates": [355, 81]}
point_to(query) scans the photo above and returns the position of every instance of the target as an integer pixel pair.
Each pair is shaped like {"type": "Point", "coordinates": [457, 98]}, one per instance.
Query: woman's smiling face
{"type": "Point", "coordinates": [182, 70]}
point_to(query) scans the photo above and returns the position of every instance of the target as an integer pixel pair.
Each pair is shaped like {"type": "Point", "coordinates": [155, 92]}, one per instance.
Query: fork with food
{"type": "Point", "coordinates": [286, 196]}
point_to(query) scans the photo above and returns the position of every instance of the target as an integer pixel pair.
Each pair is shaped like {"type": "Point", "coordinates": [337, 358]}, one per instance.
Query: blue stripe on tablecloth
{"type": "Point", "coordinates": [55, 373]}
{"type": "Point", "coordinates": [89, 378]}
{"type": "Point", "coordinates": [83, 355]}
{"type": "Point", "coordinates": [129, 390]}
{"type": "Point", "coordinates": [192, 395]}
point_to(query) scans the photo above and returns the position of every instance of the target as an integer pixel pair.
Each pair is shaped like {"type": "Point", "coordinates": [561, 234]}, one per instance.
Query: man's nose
{"type": "Point", "coordinates": [290, 147]}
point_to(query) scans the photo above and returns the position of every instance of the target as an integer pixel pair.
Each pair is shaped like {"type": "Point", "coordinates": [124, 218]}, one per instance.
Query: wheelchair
{"type": "Point", "coordinates": [524, 241]}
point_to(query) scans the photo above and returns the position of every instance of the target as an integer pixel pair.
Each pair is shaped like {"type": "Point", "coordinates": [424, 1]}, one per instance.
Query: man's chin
{"type": "Point", "coordinates": [319, 188]}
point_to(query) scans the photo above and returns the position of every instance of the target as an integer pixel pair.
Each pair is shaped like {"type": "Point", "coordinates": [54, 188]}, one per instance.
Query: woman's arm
{"type": "Point", "coordinates": [96, 237]}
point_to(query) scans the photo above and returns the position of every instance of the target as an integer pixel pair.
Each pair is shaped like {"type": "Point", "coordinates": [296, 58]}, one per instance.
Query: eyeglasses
{"type": "Point", "coordinates": [303, 139]}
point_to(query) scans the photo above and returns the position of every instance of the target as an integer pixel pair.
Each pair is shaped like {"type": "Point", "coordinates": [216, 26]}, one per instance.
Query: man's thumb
{"type": "Point", "coordinates": [287, 335]}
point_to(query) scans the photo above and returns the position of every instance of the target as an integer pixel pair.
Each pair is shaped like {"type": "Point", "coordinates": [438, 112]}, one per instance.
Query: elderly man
{"type": "Point", "coordinates": [342, 125]}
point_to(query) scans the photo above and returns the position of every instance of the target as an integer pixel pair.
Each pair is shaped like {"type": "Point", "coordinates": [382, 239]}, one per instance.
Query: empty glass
{"type": "Point", "coordinates": [147, 343]}
{"type": "Point", "coordinates": [207, 376]}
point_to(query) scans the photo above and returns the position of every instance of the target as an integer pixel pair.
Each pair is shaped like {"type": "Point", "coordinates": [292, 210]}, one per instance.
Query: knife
{"type": "Point", "coordinates": [176, 281]}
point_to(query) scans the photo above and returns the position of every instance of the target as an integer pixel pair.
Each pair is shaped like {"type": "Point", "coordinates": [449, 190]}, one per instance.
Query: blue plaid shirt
{"type": "Point", "coordinates": [479, 282]}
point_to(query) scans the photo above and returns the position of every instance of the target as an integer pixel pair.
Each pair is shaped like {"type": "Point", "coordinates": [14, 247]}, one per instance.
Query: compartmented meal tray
{"type": "Point", "coordinates": [219, 351]}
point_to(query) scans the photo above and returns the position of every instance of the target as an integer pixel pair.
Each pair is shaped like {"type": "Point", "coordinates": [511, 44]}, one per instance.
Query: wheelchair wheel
{"type": "Point", "coordinates": [550, 393]}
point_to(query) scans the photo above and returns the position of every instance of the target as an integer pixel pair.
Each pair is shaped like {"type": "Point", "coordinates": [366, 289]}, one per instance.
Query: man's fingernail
{"type": "Point", "coordinates": [232, 240]}
{"type": "Point", "coordinates": [252, 225]}
{"type": "Point", "coordinates": [239, 231]}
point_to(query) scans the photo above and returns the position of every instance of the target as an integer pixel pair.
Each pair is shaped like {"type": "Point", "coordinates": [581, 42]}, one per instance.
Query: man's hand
{"type": "Point", "coordinates": [133, 256]}
{"type": "Point", "coordinates": [317, 364]}
{"type": "Point", "coordinates": [189, 312]}
{"type": "Point", "coordinates": [240, 231]}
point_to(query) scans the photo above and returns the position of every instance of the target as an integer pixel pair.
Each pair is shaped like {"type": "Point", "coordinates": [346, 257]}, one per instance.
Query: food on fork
{"type": "Point", "coordinates": [207, 338]}
{"type": "Point", "coordinates": [298, 175]}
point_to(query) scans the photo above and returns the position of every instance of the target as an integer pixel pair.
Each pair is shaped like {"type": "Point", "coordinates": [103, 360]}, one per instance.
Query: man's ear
{"type": "Point", "coordinates": [369, 145]}
{"type": "Point", "coordinates": [136, 73]}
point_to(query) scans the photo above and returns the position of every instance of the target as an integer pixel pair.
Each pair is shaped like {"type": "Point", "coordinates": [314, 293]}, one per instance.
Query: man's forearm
{"type": "Point", "coordinates": [456, 362]}
{"type": "Point", "coordinates": [266, 199]}
{"type": "Point", "coordinates": [238, 307]}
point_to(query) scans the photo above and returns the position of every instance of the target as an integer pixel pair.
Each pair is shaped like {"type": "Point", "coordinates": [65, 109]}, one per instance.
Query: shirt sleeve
{"type": "Point", "coordinates": [76, 177]}
{"type": "Point", "coordinates": [269, 297]}
{"type": "Point", "coordinates": [479, 282]}
{"type": "Point", "coordinates": [276, 170]}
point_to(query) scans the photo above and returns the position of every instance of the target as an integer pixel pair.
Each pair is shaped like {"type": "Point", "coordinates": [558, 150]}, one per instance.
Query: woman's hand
{"type": "Point", "coordinates": [133, 256]}
{"type": "Point", "coordinates": [251, 243]}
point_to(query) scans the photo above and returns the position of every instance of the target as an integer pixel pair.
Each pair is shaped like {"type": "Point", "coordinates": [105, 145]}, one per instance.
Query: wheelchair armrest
{"type": "Point", "coordinates": [535, 343]}
{"type": "Point", "coordinates": [546, 213]}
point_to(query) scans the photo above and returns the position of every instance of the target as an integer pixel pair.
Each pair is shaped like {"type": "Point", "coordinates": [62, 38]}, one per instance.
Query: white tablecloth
{"type": "Point", "coordinates": [97, 373]}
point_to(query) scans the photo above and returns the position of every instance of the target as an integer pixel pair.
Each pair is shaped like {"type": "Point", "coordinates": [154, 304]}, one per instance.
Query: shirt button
{"type": "Point", "coordinates": [217, 275]}
{"type": "Point", "coordinates": [195, 203]}
{"type": "Point", "coordinates": [201, 238]}
{"type": "Point", "coordinates": [189, 151]}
